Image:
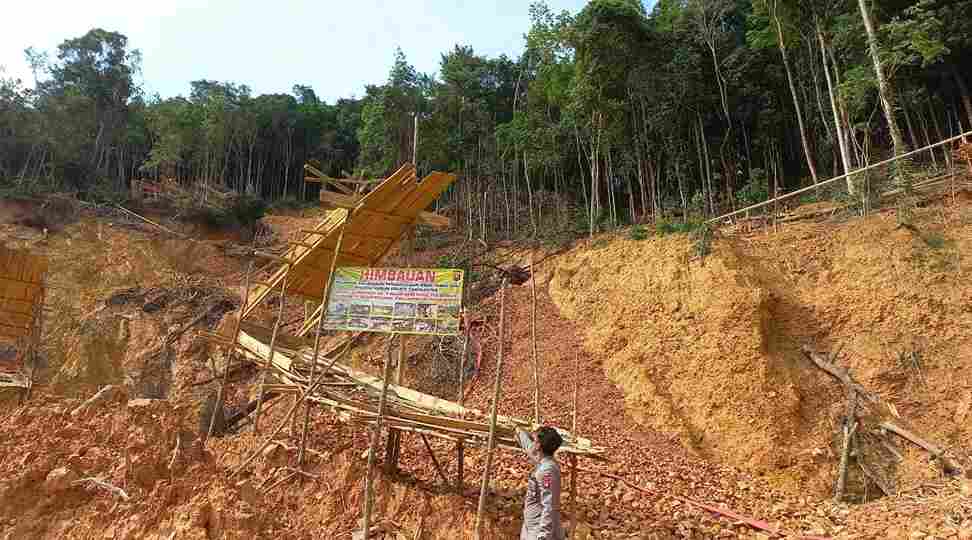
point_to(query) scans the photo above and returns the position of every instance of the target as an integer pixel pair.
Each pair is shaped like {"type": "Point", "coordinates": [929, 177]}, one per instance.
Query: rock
{"type": "Point", "coordinates": [102, 395]}
{"type": "Point", "coordinates": [249, 493]}
{"type": "Point", "coordinates": [141, 403]}
{"type": "Point", "coordinates": [59, 480]}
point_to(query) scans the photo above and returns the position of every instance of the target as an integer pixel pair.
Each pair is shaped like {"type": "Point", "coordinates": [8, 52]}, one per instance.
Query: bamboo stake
{"type": "Point", "coordinates": [533, 339]}
{"type": "Point", "coordinates": [395, 436]}
{"type": "Point", "coordinates": [492, 417]}
{"type": "Point", "coordinates": [435, 460]}
{"type": "Point", "coordinates": [834, 179]}
{"type": "Point", "coordinates": [461, 450]}
{"type": "Point", "coordinates": [850, 427]}
{"type": "Point", "coordinates": [317, 338]}
{"type": "Point", "coordinates": [313, 386]}
{"type": "Point", "coordinates": [573, 427]}
{"type": "Point", "coordinates": [221, 394]}
{"type": "Point", "coordinates": [273, 344]}
{"type": "Point", "coordinates": [573, 494]}
{"type": "Point", "coordinates": [375, 435]}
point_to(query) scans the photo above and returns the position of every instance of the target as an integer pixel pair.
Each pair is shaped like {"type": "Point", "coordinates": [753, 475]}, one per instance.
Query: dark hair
{"type": "Point", "coordinates": [549, 439]}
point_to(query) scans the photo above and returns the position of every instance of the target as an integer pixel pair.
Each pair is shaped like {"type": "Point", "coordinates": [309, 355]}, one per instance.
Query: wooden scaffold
{"type": "Point", "coordinates": [361, 229]}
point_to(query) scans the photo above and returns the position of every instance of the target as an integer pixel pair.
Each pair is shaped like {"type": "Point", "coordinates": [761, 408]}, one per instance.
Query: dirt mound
{"type": "Point", "coordinates": [711, 349]}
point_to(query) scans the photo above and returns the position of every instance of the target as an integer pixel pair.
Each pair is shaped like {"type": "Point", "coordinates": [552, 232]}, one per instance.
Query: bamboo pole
{"type": "Point", "coordinates": [231, 353]}
{"type": "Point", "coordinates": [313, 386]}
{"type": "Point", "coordinates": [375, 435]}
{"type": "Point", "coordinates": [394, 436]}
{"type": "Point", "coordinates": [492, 417]}
{"type": "Point", "coordinates": [317, 338]}
{"type": "Point", "coordinates": [533, 339]}
{"type": "Point", "coordinates": [273, 344]}
{"type": "Point", "coordinates": [834, 179]}
{"type": "Point", "coordinates": [573, 427]}
{"type": "Point", "coordinates": [573, 494]}
{"type": "Point", "coordinates": [435, 460]}
{"type": "Point", "coordinates": [460, 469]}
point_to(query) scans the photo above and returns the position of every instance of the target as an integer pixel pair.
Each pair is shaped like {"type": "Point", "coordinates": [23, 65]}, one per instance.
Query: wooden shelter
{"type": "Point", "coordinates": [22, 288]}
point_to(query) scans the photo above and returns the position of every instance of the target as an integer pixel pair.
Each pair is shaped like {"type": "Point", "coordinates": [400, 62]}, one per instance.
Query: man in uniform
{"type": "Point", "coordinates": [541, 509]}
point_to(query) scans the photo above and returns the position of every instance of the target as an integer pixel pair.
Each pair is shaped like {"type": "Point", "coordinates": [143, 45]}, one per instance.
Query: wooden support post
{"type": "Point", "coordinates": [273, 345]}
{"type": "Point", "coordinates": [465, 351]}
{"type": "Point", "coordinates": [573, 494]}
{"type": "Point", "coordinates": [573, 427]}
{"type": "Point", "coordinates": [230, 355]}
{"type": "Point", "coordinates": [533, 339]}
{"type": "Point", "coordinates": [306, 393]}
{"type": "Point", "coordinates": [375, 436]}
{"type": "Point", "coordinates": [435, 460]}
{"type": "Point", "coordinates": [850, 427]}
{"type": "Point", "coordinates": [490, 446]}
{"type": "Point", "coordinates": [461, 451]}
{"type": "Point", "coordinates": [317, 339]}
{"type": "Point", "coordinates": [393, 446]}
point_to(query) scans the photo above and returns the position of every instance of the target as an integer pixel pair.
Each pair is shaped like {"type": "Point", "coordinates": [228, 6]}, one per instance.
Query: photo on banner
{"type": "Point", "coordinates": [395, 300]}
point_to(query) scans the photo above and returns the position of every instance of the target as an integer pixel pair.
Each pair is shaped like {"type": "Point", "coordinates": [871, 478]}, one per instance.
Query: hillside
{"type": "Point", "coordinates": [688, 371]}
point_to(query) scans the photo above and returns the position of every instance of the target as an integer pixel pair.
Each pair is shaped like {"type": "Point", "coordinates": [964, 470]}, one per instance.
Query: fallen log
{"type": "Point", "coordinates": [948, 467]}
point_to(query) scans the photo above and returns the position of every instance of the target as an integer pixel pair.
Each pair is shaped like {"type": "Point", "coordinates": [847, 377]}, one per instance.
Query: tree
{"type": "Point", "coordinates": [885, 91]}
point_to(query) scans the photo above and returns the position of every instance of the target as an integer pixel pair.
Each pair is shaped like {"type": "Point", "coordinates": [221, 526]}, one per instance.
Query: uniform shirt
{"type": "Point", "coordinates": [541, 509]}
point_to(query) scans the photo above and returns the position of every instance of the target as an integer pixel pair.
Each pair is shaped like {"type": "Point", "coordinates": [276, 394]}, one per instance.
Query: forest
{"type": "Point", "coordinates": [610, 116]}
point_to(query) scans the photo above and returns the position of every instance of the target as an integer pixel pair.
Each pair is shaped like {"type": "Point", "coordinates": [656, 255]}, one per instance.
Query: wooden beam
{"type": "Point", "coordinates": [435, 460]}
{"type": "Point", "coordinates": [492, 420]}
{"type": "Point", "coordinates": [369, 473]}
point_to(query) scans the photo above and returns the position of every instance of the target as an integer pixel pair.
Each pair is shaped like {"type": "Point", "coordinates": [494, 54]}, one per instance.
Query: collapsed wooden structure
{"type": "Point", "coordinates": [22, 289]}
{"type": "Point", "coordinates": [368, 219]}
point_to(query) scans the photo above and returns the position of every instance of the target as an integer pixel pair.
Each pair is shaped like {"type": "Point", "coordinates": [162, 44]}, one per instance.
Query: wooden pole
{"type": "Point", "coordinates": [492, 417]}
{"type": "Point", "coordinates": [435, 460]}
{"type": "Point", "coordinates": [394, 435]}
{"type": "Point", "coordinates": [533, 339]}
{"type": "Point", "coordinates": [231, 353]}
{"type": "Point", "coordinates": [317, 338]}
{"type": "Point", "coordinates": [461, 451]}
{"type": "Point", "coordinates": [307, 392]}
{"type": "Point", "coordinates": [573, 495]}
{"type": "Point", "coordinates": [573, 427]}
{"type": "Point", "coordinates": [273, 345]}
{"type": "Point", "coordinates": [375, 436]}
{"type": "Point", "coordinates": [415, 141]}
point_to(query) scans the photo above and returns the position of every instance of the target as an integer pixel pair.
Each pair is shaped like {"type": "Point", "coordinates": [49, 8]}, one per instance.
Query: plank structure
{"type": "Point", "coordinates": [355, 396]}
{"type": "Point", "coordinates": [21, 304]}
{"type": "Point", "coordinates": [374, 223]}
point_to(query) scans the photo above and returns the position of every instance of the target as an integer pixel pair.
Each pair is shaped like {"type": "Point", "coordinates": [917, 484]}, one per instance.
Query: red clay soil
{"type": "Point", "coordinates": [180, 488]}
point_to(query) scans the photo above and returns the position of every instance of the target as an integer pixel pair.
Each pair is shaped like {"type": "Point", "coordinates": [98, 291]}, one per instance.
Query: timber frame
{"type": "Point", "coordinates": [22, 292]}
{"type": "Point", "coordinates": [360, 230]}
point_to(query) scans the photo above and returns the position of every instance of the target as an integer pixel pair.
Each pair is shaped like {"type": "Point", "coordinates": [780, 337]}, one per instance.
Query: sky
{"type": "Point", "coordinates": [335, 46]}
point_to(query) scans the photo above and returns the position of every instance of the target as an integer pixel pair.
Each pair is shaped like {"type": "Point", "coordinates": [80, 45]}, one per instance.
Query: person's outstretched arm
{"type": "Point", "coordinates": [526, 443]}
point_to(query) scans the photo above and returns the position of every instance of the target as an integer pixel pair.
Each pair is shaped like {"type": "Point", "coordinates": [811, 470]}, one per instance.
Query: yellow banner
{"type": "Point", "coordinates": [395, 300]}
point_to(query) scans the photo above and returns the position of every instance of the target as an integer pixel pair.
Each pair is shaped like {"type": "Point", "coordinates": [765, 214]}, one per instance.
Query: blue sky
{"type": "Point", "coordinates": [335, 46]}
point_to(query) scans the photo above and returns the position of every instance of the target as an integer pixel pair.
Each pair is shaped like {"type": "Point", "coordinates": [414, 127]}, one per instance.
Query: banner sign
{"type": "Point", "coordinates": [395, 300]}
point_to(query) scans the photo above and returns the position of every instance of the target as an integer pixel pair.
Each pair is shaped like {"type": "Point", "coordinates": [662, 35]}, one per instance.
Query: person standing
{"type": "Point", "coordinates": [541, 509]}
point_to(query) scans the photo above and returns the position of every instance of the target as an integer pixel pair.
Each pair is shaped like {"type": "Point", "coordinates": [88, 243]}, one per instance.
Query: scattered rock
{"type": "Point", "coordinates": [141, 403]}
{"type": "Point", "coordinates": [102, 395]}
{"type": "Point", "coordinates": [59, 480]}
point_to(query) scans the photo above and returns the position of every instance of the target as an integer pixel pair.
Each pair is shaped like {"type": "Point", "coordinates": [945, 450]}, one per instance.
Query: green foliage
{"type": "Point", "coordinates": [638, 232]}
{"type": "Point", "coordinates": [755, 191]}
{"type": "Point", "coordinates": [665, 227]}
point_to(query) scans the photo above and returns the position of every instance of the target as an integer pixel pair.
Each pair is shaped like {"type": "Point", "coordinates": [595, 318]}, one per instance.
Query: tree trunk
{"type": "Point", "coordinates": [964, 90]}
{"type": "Point", "coordinates": [793, 92]}
{"type": "Point", "coordinates": [885, 92]}
{"type": "Point", "coordinates": [841, 135]}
